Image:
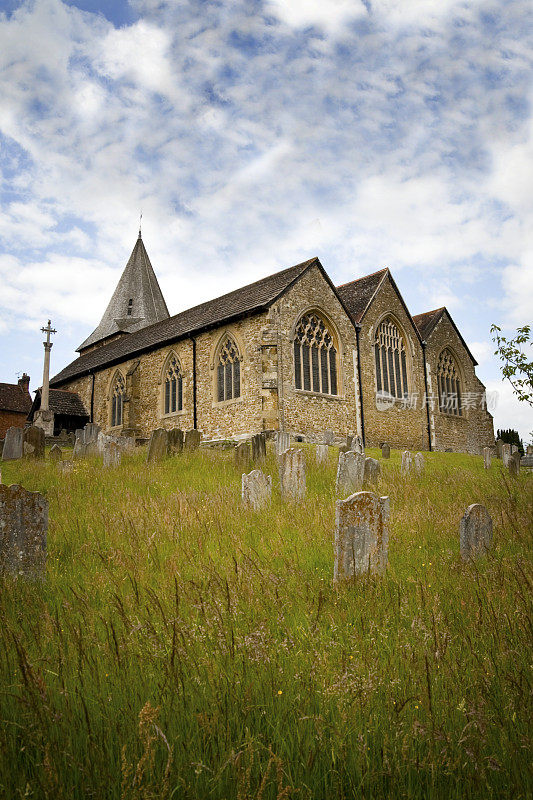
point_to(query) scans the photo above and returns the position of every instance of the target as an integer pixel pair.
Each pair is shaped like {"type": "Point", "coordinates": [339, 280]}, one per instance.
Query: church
{"type": "Point", "coordinates": [290, 352]}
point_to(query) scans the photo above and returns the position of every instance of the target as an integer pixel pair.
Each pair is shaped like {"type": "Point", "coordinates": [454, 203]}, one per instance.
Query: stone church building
{"type": "Point", "coordinates": [289, 352]}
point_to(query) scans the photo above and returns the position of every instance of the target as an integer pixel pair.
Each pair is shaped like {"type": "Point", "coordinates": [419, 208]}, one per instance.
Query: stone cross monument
{"type": "Point", "coordinates": [44, 418]}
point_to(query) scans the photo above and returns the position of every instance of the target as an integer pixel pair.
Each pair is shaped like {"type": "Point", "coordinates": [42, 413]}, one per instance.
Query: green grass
{"type": "Point", "coordinates": [183, 647]}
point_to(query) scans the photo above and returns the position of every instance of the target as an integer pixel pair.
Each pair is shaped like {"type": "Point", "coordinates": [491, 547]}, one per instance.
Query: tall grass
{"type": "Point", "coordinates": [183, 647]}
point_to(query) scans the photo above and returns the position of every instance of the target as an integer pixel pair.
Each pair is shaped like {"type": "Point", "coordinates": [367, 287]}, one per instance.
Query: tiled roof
{"type": "Point", "coordinates": [13, 398]}
{"type": "Point", "coordinates": [426, 322]}
{"type": "Point", "coordinates": [61, 401]}
{"type": "Point", "coordinates": [241, 302]}
{"type": "Point", "coordinates": [357, 294]}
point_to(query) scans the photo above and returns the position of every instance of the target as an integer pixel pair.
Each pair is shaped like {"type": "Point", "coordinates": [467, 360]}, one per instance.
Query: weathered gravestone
{"type": "Point", "coordinates": [407, 462]}
{"type": "Point", "coordinates": [419, 464]}
{"type": "Point", "coordinates": [499, 446]}
{"type": "Point", "coordinates": [361, 535]}
{"type": "Point", "coordinates": [372, 470]}
{"type": "Point", "coordinates": [102, 441]}
{"type": "Point", "coordinates": [526, 461]}
{"type": "Point", "coordinates": [321, 454]}
{"type": "Point", "coordinates": [112, 454]}
{"type": "Point", "coordinates": [514, 449]}
{"type": "Point", "coordinates": [514, 464]}
{"type": "Point", "coordinates": [292, 475]}
{"type": "Point", "coordinates": [475, 532]}
{"type": "Point", "coordinates": [529, 450]}
{"type": "Point", "coordinates": [506, 454]}
{"type": "Point", "coordinates": [56, 453]}
{"type": "Point", "coordinates": [23, 527]}
{"type": "Point", "coordinates": [256, 489]}
{"type": "Point", "coordinates": [349, 440]}
{"type": "Point", "coordinates": [158, 445]}
{"type": "Point", "coordinates": [175, 441]}
{"type": "Point", "coordinates": [192, 439]}
{"type": "Point", "coordinates": [350, 472]}
{"type": "Point", "coordinates": [1, 447]}
{"type": "Point", "coordinates": [283, 442]}
{"type": "Point", "coordinates": [13, 444]}
{"type": "Point", "coordinates": [385, 450]}
{"type": "Point", "coordinates": [357, 445]}
{"type": "Point", "coordinates": [259, 450]}
{"type": "Point", "coordinates": [90, 439]}
{"type": "Point", "coordinates": [242, 455]}
{"type": "Point", "coordinates": [487, 457]}
{"type": "Point", "coordinates": [34, 438]}
{"type": "Point", "coordinates": [343, 448]}
{"type": "Point", "coordinates": [328, 437]}
{"type": "Point", "coordinates": [79, 443]}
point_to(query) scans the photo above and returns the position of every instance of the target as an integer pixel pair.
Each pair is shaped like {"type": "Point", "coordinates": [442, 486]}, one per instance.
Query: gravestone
{"type": "Point", "coordinates": [529, 450]}
{"type": "Point", "coordinates": [79, 443]}
{"type": "Point", "coordinates": [192, 439]}
{"type": "Point", "coordinates": [407, 462]}
{"type": "Point", "coordinates": [283, 442]}
{"type": "Point", "coordinates": [175, 441]}
{"type": "Point", "coordinates": [91, 432]}
{"type": "Point", "coordinates": [527, 461]}
{"type": "Point", "coordinates": [157, 446]}
{"type": "Point", "coordinates": [112, 454]}
{"type": "Point", "coordinates": [357, 445]}
{"type": "Point", "coordinates": [256, 489]}
{"type": "Point", "coordinates": [13, 444]}
{"type": "Point", "coordinates": [65, 466]}
{"type": "Point", "coordinates": [321, 454]}
{"type": "Point", "coordinates": [506, 454]}
{"type": "Point", "coordinates": [23, 527]}
{"type": "Point", "coordinates": [361, 535]}
{"type": "Point", "coordinates": [385, 450]}
{"type": "Point", "coordinates": [102, 441]}
{"type": "Point", "coordinates": [499, 446]}
{"type": "Point", "coordinates": [514, 464]}
{"type": "Point", "coordinates": [514, 449]}
{"type": "Point", "coordinates": [126, 443]}
{"type": "Point", "coordinates": [475, 532]}
{"type": "Point", "coordinates": [328, 437]}
{"type": "Point", "coordinates": [372, 470]}
{"type": "Point", "coordinates": [56, 453]}
{"type": "Point", "coordinates": [34, 437]}
{"type": "Point", "coordinates": [419, 464]}
{"type": "Point", "coordinates": [259, 450]}
{"type": "Point", "coordinates": [487, 457]}
{"type": "Point", "coordinates": [350, 472]}
{"type": "Point", "coordinates": [1, 447]}
{"type": "Point", "coordinates": [343, 448]}
{"type": "Point", "coordinates": [242, 455]}
{"type": "Point", "coordinates": [292, 475]}
{"type": "Point", "coordinates": [349, 440]}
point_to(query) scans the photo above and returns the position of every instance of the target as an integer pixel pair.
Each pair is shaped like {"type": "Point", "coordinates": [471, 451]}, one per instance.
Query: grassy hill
{"type": "Point", "coordinates": [183, 647]}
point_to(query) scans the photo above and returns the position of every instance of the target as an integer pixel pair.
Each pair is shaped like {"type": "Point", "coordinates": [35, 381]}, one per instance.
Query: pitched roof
{"type": "Point", "coordinates": [426, 322]}
{"type": "Point", "coordinates": [62, 401]}
{"type": "Point", "coordinates": [249, 299]}
{"type": "Point", "coordinates": [136, 302]}
{"type": "Point", "coordinates": [356, 295]}
{"type": "Point", "coordinates": [13, 398]}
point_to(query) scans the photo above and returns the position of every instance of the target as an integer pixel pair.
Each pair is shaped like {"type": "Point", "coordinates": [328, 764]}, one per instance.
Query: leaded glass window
{"type": "Point", "coordinates": [173, 387]}
{"type": "Point", "coordinates": [391, 362]}
{"type": "Point", "coordinates": [449, 385]}
{"type": "Point", "coordinates": [228, 371]}
{"type": "Point", "coordinates": [117, 400]}
{"type": "Point", "coordinates": [315, 356]}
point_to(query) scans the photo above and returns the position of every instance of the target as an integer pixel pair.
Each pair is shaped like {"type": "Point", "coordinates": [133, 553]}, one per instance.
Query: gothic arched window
{"type": "Point", "coordinates": [117, 400]}
{"type": "Point", "coordinates": [228, 371]}
{"type": "Point", "coordinates": [315, 356]}
{"type": "Point", "coordinates": [391, 362]}
{"type": "Point", "coordinates": [449, 385]}
{"type": "Point", "coordinates": [173, 397]}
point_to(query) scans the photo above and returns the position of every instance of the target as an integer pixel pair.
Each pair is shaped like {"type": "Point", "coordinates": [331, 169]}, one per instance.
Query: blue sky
{"type": "Point", "coordinates": [254, 134]}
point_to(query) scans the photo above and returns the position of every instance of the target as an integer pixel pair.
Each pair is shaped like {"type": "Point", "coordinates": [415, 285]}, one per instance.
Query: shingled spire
{"type": "Point", "coordinates": [137, 301]}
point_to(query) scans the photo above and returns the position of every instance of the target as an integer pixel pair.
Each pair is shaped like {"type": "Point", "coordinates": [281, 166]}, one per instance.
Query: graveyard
{"type": "Point", "coordinates": [200, 634]}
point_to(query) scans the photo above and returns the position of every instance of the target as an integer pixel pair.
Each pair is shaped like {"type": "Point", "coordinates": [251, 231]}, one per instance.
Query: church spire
{"type": "Point", "coordinates": [136, 302]}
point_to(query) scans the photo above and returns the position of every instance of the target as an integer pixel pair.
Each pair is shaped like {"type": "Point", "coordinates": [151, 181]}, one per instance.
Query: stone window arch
{"type": "Point", "coordinates": [118, 390]}
{"type": "Point", "coordinates": [228, 369]}
{"type": "Point", "coordinates": [315, 355]}
{"type": "Point", "coordinates": [449, 384]}
{"type": "Point", "coordinates": [172, 385]}
{"type": "Point", "coordinates": [390, 359]}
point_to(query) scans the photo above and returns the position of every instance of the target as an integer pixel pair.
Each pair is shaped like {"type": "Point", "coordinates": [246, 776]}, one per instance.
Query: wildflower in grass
{"type": "Point", "coordinates": [280, 691]}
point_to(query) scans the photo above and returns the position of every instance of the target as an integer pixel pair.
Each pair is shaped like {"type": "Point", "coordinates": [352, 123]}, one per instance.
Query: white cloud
{"type": "Point", "coordinates": [509, 412]}
{"type": "Point", "coordinates": [328, 14]}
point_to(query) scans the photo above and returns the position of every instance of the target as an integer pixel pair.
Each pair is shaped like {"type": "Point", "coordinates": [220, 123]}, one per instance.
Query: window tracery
{"type": "Point", "coordinates": [228, 371]}
{"type": "Point", "coordinates": [117, 400]}
{"type": "Point", "coordinates": [173, 397]}
{"type": "Point", "coordinates": [391, 361]}
{"type": "Point", "coordinates": [315, 356]}
{"type": "Point", "coordinates": [449, 385]}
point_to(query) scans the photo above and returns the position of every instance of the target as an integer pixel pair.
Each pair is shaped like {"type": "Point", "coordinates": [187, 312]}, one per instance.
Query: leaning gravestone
{"type": "Point", "coordinates": [321, 454]}
{"type": "Point", "coordinates": [407, 462]}
{"type": "Point", "coordinates": [499, 446]}
{"type": "Point", "coordinates": [157, 446]}
{"type": "Point", "coordinates": [350, 472]}
{"type": "Point", "coordinates": [487, 457]}
{"type": "Point", "coordinates": [292, 475]}
{"type": "Point", "coordinates": [112, 454]}
{"type": "Point", "coordinates": [13, 445]}
{"type": "Point", "coordinates": [372, 470]}
{"type": "Point", "coordinates": [385, 450]}
{"type": "Point", "coordinates": [192, 439]}
{"type": "Point", "coordinates": [256, 489]}
{"type": "Point", "coordinates": [56, 453]}
{"type": "Point", "coordinates": [259, 447]}
{"type": "Point", "coordinates": [23, 527]}
{"type": "Point", "coordinates": [514, 464]}
{"type": "Point", "coordinates": [283, 442]}
{"type": "Point", "coordinates": [242, 455]}
{"type": "Point", "coordinates": [34, 437]}
{"type": "Point", "coordinates": [175, 441]}
{"type": "Point", "coordinates": [506, 454]}
{"type": "Point", "coordinates": [475, 532]}
{"type": "Point", "coordinates": [419, 464]}
{"type": "Point", "coordinates": [361, 535]}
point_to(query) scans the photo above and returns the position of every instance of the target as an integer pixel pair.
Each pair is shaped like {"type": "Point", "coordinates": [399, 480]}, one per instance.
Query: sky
{"type": "Point", "coordinates": [253, 135]}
